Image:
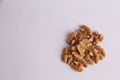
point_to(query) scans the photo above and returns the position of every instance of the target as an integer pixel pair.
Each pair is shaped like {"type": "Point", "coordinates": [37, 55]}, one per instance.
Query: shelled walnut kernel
{"type": "Point", "coordinates": [84, 49]}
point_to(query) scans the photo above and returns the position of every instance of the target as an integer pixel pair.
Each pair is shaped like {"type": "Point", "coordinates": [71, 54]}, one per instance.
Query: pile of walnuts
{"type": "Point", "coordinates": [84, 49]}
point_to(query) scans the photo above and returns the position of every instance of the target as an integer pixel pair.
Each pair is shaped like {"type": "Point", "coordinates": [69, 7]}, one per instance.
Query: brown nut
{"type": "Point", "coordinates": [100, 56]}
{"type": "Point", "coordinates": [73, 48]}
{"type": "Point", "coordinates": [75, 67]}
{"type": "Point", "coordinates": [69, 60]}
{"type": "Point", "coordinates": [101, 50]}
{"type": "Point", "coordinates": [83, 49]}
{"type": "Point", "coordinates": [84, 63]}
{"type": "Point", "coordinates": [100, 37]}
{"type": "Point", "coordinates": [64, 58]}
{"type": "Point", "coordinates": [78, 63]}
{"type": "Point", "coordinates": [66, 51]}
{"type": "Point", "coordinates": [96, 56]}
{"type": "Point", "coordinates": [86, 29]}
{"type": "Point", "coordinates": [88, 59]}
{"type": "Point", "coordinates": [80, 50]}
{"type": "Point", "coordinates": [75, 54]}
{"type": "Point", "coordinates": [71, 37]}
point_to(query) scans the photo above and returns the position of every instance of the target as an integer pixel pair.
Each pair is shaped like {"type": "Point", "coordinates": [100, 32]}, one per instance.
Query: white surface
{"type": "Point", "coordinates": [33, 33]}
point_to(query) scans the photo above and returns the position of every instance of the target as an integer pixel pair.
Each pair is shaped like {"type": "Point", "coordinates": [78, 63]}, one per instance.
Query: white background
{"type": "Point", "coordinates": [33, 34]}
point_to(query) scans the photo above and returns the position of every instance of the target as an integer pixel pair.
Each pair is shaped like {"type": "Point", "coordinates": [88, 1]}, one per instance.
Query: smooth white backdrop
{"type": "Point", "coordinates": [33, 34]}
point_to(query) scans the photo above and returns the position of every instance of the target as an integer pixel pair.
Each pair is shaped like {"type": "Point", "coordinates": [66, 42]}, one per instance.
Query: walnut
{"type": "Point", "coordinates": [101, 50]}
{"type": "Point", "coordinates": [80, 50]}
{"type": "Point", "coordinates": [85, 29]}
{"type": "Point", "coordinates": [73, 48]}
{"type": "Point", "coordinates": [76, 67]}
{"type": "Point", "coordinates": [71, 38]}
{"type": "Point", "coordinates": [75, 54]}
{"type": "Point", "coordinates": [66, 50]}
{"type": "Point", "coordinates": [96, 56]}
{"type": "Point", "coordinates": [84, 63]}
{"type": "Point", "coordinates": [88, 58]}
{"type": "Point", "coordinates": [67, 59]}
{"type": "Point", "coordinates": [83, 49]}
